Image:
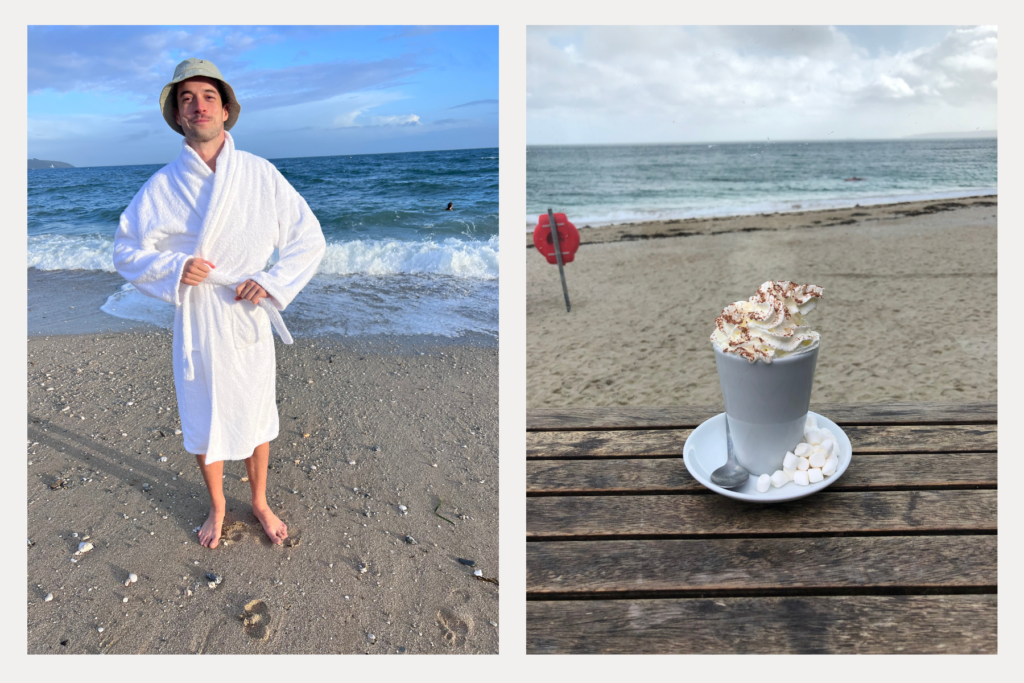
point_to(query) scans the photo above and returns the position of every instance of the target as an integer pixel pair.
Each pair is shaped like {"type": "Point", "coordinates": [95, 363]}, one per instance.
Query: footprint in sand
{"type": "Point", "coordinates": [453, 629]}
{"type": "Point", "coordinates": [234, 532]}
{"type": "Point", "coordinates": [256, 620]}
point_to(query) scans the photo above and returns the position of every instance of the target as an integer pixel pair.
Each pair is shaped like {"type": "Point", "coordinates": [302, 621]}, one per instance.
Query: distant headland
{"type": "Point", "coordinates": [41, 163]}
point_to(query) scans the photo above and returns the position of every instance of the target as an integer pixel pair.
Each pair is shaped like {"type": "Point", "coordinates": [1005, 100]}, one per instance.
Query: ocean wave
{"type": "Point", "coordinates": [131, 304]}
{"type": "Point", "coordinates": [474, 259]}
{"type": "Point", "coordinates": [363, 306]}
{"type": "Point", "coordinates": [598, 217]}
{"type": "Point", "coordinates": [71, 252]}
{"type": "Point", "coordinates": [470, 259]}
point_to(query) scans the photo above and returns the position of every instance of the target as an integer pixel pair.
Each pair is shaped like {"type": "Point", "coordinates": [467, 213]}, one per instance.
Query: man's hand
{"type": "Point", "coordinates": [250, 291]}
{"type": "Point", "coordinates": [196, 270]}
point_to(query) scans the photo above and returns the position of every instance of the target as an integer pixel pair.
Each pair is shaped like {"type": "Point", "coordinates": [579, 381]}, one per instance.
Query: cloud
{"type": "Point", "coordinates": [130, 60]}
{"type": "Point", "coordinates": [474, 103]}
{"type": "Point", "coordinates": [352, 106]}
{"type": "Point", "coordinates": [94, 87]}
{"type": "Point", "coordinates": [401, 120]}
{"type": "Point", "coordinates": [289, 86]}
{"type": "Point", "coordinates": [137, 61]}
{"type": "Point", "coordinates": [690, 81]}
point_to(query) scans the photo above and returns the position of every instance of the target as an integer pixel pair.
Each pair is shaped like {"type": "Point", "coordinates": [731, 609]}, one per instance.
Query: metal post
{"type": "Point", "coordinates": [558, 255]}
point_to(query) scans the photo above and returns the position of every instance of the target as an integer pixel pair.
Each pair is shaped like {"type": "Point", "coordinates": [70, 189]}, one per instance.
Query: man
{"type": "Point", "coordinates": [198, 235]}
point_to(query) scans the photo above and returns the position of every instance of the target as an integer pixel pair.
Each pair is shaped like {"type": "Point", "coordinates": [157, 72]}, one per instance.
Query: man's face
{"type": "Point", "coordinates": [201, 114]}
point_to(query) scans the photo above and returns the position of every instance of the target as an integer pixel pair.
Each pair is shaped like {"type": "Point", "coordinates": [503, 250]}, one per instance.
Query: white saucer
{"type": "Point", "coordinates": [704, 452]}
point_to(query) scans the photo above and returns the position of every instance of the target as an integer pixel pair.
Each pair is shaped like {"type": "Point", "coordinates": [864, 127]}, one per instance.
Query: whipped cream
{"type": "Point", "coordinates": [770, 324]}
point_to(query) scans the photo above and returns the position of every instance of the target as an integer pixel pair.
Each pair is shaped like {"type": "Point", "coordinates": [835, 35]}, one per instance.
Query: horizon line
{"type": "Point", "coordinates": [916, 136]}
{"type": "Point", "coordinates": [319, 156]}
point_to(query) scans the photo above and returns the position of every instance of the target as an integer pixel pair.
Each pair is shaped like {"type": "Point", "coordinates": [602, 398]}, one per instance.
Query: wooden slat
{"type": "Point", "coordinates": [653, 442]}
{"type": "Point", "coordinates": [669, 475]}
{"type": "Point", "coordinates": [676, 417]}
{"type": "Point", "coordinates": [759, 564]}
{"type": "Point", "coordinates": [869, 511]}
{"type": "Point", "coordinates": [669, 442]}
{"type": "Point", "coordinates": [847, 624]}
{"type": "Point", "coordinates": [618, 417]}
{"type": "Point", "coordinates": [923, 439]}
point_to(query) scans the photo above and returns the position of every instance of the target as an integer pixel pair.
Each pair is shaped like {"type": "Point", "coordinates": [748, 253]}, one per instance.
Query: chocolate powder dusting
{"type": "Point", "coordinates": [779, 324]}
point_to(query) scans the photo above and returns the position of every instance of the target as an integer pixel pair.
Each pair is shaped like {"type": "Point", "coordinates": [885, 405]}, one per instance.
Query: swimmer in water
{"type": "Point", "coordinates": [450, 207]}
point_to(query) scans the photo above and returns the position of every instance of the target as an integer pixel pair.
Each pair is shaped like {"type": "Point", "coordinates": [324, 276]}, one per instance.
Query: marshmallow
{"type": "Point", "coordinates": [826, 434]}
{"type": "Point", "coordinates": [829, 446]}
{"type": "Point", "coordinates": [779, 479]}
{"type": "Point", "coordinates": [811, 422]}
{"type": "Point", "coordinates": [830, 466]}
{"type": "Point", "coordinates": [814, 475]}
{"type": "Point", "coordinates": [803, 450]}
{"type": "Point", "coordinates": [763, 482]}
{"type": "Point", "coordinates": [800, 478]}
{"type": "Point", "coordinates": [789, 473]}
{"type": "Point", "coordinates": [813, 437]}
{"type": "Point", "coordinates": [789, 462]}
{"type": "Point", "coordinates": [802, 464]}
{"type": "Point", "coordinates": [817, 459]}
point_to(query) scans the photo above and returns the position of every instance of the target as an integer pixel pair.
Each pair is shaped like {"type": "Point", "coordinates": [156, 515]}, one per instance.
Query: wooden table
{"type": "Point", "coordinates": [627, 553]}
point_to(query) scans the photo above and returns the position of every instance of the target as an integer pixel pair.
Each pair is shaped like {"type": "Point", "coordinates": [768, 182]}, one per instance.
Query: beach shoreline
{"type": "Point", "coordinates": [645, 295]}
{"type": "Point", "coordinates": [806, 206]}
{"type": "Point", "coordinates": [419, 420]}
{"type": "Point", "coordinates": [779, 220]}
{"type": "Point", "coordinates": [68, 302]}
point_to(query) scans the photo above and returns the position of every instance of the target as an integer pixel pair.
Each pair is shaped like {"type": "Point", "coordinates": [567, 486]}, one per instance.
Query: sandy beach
{"type": "Point", "coordinates": [909, 312]}
{"type": "Point", "coordinates": [365, 427]}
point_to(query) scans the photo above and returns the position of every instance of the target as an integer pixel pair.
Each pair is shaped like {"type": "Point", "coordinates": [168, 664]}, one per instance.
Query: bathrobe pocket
{"type": "Point", "coordinates": [251, 324]}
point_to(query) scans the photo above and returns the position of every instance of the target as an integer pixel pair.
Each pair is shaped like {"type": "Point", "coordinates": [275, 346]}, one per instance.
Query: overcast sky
{"type": "Point", "coordinates": [304, 91]}
{"type": "Point", "coordinates": [620, 84]}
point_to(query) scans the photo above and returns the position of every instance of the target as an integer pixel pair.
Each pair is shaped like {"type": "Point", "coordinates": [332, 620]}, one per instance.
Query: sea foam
{"type": "Point", "coordinates": [470, 259]}
{"type": "Point", "coordinates": [473, 259]}
{"type": "Point", "coordinates": [71, 252]}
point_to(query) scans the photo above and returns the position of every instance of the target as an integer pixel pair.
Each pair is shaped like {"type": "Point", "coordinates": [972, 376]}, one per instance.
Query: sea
{"type": "Point", "coordinates": [397, 262]}
{"type": "Point", "coordinates": [609, 184]}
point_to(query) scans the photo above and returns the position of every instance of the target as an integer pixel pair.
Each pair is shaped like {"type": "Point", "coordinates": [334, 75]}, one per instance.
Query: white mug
{"type": "Point", "coordinates": [766, 405]}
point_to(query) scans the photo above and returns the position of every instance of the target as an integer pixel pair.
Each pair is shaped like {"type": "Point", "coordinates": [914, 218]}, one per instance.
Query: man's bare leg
{"type": "Point", "coordinates": [213, 474]}
{"type": "Point", "coordinates": [256, 466]}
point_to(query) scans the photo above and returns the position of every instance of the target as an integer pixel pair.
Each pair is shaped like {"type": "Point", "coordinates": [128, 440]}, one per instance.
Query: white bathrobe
{"type": "Point", "coordinates": [224, 366]}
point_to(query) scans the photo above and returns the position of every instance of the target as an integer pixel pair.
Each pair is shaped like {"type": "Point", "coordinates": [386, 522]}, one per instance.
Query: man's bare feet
{"type": "Point", "coordinates": [209, 533]}
{"type": "Point", "coordinates": [275, 529]}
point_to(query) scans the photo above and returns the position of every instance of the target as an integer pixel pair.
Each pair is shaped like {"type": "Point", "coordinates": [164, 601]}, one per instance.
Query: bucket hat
{"type": "Point", "coordinates": [192, 68]}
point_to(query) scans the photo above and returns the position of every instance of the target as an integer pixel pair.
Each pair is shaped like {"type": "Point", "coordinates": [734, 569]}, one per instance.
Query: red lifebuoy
{"type": "Point", "coordinates": [568, 238]}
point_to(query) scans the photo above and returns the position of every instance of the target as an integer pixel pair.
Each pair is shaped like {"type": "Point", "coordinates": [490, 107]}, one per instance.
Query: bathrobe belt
{"type": "Point", "coordinates": [186, 318]}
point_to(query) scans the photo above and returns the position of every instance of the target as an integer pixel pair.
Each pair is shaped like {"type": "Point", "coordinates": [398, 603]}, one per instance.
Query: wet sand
{"type": "Point", "coordinates": [909, 311]}
{"type": "Point", "coordinates": [420, 422]}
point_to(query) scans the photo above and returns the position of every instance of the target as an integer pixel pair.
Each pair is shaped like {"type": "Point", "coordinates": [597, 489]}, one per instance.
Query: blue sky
{"type": "Point", "coordinates": [305, 90]}
{"type": "Point", "coordinates": [635, 84]}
